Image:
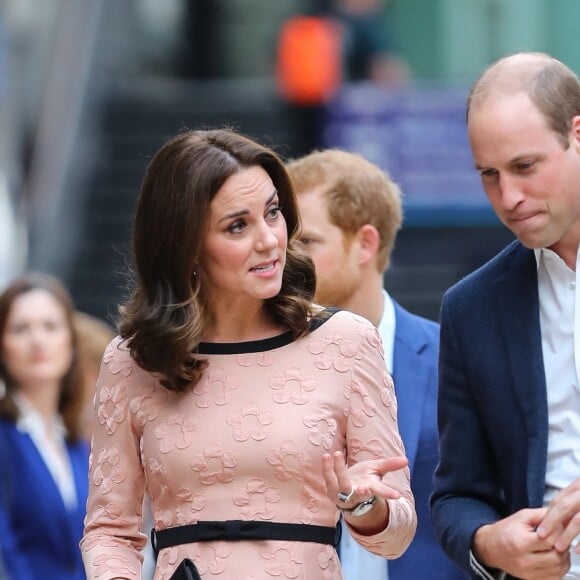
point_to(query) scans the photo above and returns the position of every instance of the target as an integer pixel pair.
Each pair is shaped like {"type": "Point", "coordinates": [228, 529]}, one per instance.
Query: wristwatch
{"type": "Point", "coordinates": [360, 509]}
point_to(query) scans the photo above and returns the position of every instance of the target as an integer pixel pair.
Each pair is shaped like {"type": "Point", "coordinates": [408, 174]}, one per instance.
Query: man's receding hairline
{"type": "Point", "coordinates": [508, 76]}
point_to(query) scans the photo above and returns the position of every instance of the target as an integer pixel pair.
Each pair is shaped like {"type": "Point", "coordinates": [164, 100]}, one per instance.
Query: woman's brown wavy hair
{"type": "Point", "coordinates": [164, 318]}
{"type": "Point", "coordinates": [71, 392]}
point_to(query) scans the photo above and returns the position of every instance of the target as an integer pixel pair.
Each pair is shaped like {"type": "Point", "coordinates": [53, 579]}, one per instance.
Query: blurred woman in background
{"type": "Point", "coordinates": [43, 459]}
{"type": "Point", "coordinates": [93, 336]}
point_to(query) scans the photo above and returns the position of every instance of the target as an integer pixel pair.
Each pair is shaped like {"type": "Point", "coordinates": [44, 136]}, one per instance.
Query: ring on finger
{"type": "Point", "coordinates": [345, 497]}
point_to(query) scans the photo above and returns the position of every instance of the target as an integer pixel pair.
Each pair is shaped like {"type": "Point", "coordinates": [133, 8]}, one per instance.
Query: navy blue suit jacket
{"type": "Point", "coordinates": [415, 357]}
{"type": "Point", "coordinates": [493, 413]}
{"type": "Point", "coordinates": [39, 537]}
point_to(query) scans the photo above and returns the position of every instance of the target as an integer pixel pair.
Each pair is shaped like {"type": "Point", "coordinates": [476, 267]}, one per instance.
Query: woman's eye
{"type": "Point", "coordinates": [274, 212]}
{"type": "Point", "coordinates": [236, 227]}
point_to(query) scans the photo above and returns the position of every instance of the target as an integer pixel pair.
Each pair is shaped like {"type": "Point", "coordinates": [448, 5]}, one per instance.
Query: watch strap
{"type": "Point", "coordinates": [360, 508]}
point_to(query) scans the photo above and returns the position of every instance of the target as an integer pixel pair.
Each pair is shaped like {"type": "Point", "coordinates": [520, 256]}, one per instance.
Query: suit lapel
{"type": "Point", "coordinates": [410, 381]}
{"type": "Point", "coordinates": [518, 311]}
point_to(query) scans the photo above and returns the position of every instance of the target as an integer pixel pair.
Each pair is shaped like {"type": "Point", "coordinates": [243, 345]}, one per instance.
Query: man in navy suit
{"type": "Point", "coordinates": [507, 488]}
{"type": "Point", "coordinates": [351, 213]}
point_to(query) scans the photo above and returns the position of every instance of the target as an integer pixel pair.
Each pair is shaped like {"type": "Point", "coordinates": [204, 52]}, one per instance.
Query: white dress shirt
{"type": "Point", "coordinates": [56, 458]}
{"type": "Point", "coordinates": [559, 297]}
{"type": "Point", "coordinates": [358, 563]}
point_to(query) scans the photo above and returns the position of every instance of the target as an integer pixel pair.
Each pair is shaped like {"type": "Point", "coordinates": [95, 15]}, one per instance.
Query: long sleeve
{"type": "Point", "coordinates": [372, 433]}
{"type": "Point", "coordinates": [112, 540]}
{"type": "Point", "coordinates": [466, 489]}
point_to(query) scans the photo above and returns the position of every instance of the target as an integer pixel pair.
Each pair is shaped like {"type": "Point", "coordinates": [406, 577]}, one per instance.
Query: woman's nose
{"type": "Point", "coordinates": [266, 240]}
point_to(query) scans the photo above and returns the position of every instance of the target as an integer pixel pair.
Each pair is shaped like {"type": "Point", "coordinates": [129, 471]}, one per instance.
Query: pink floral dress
{"type": "Point", "coordinates": [244, 443]}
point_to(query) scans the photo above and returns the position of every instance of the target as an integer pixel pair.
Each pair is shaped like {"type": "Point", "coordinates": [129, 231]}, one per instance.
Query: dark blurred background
{"type": "Point", "coordinates": [89, 89]}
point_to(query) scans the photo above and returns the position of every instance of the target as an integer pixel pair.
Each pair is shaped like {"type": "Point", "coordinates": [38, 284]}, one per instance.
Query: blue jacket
{"type": "Point", "coordinates": [493, 411]}
{"type": "Point", "coordinates": [415, 355]}
{"type": "Point", "coordinates": [39, 537]}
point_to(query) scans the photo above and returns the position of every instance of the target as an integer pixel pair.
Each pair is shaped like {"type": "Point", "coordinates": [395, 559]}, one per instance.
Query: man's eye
{"type": "Point", "coordinates": [488, 173]}
{"type": "Point", "coordinates": [305, 241]}
{"type": "Point", "coordinates": [525, 166]}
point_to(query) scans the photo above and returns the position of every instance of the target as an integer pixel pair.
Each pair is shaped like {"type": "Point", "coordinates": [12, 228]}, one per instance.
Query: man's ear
{"type": "Point", "coordinates": [369, 240]}
{"type": "Point", "coordinates": [575, 132]}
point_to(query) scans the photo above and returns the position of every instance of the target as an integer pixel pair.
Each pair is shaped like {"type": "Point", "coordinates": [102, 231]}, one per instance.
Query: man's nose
{"type": "Point", "coordinates": [511, 192]}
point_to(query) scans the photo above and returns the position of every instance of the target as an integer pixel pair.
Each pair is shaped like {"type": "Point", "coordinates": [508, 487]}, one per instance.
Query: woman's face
{"type": "Point", "coordinates": [244, 250]}
{"type": "Point", "coordinates": [37, 341]}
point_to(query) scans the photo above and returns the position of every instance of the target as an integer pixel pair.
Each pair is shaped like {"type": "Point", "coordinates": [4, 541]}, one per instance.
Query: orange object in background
{"type": "Point", "coordinates": [309, 66]}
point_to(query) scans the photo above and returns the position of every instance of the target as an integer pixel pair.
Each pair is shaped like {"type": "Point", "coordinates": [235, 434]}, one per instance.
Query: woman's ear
{"type": "Point", "coordinates": [369, 240]}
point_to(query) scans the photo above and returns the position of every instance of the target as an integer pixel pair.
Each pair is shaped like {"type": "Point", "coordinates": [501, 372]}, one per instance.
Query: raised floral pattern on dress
{"type": "Point", "coordinates": [282, 561]}
{"type": "Point", "coordinates": [118, 360]}
{"type": "Point", "coordinates": [106, 563]}
{"type": "Point", "coordinates": [215, 389]}
{"type": "Point", "coordinates": [334, 352]}
{"type": "Point", "coordinates": [110, 410]}
{"type": "Point", "coordinates": [175, 433]}
{"type": "Point", "coordinates": [361, 404]}
{"type": "Point", "coordinates": [189, 504]}
{"type": "Point", "coordinates": [258, 359]}
{"type": "Point", "coordinates": [322, 427]}
{"type": "Point", "coordinates": [256, 500]}
{"type": "Point", "coordinates": [167, 560]}
{"type": "Point", "coordinates": [213, 558]}
{"type": "Point", "coordinates": [244, 443]}
{"type": "Point", "coordinates": [289, 462]}
{"type": "Point", "coordinates": [374, 339]}
{"type": "Point", "coordinates": [311, 505]}
{"type": "Point", "coordinates": [215, 464]}
{"type": "Point", "coordinates": [157, 479]}
{"type": "Point", "coordinates": [146, 407]}
{"type": "Point", "coordinates": [109, 512]}
{"type": "Point", "coordinates": [388, 397]}
{"type": "Point", "coordinates": [328, 563]}
{"type": "Point", "coordinates": [359, 450]}
{"type": "Point", "coordinates": [250, 422]}
{"type": "Point", "coordinates": [292, 386]}
{"type": "Point", "coordinates": [107, 472]}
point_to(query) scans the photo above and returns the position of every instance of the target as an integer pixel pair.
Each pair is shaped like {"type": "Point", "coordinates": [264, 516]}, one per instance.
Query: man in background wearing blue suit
{"type": "Point", "coordinates": [507, 489]}
{"type": "Point", "coordinates": [351, 213]}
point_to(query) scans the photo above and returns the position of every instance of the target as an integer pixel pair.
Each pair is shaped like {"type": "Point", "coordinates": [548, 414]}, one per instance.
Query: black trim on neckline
{"type": "Point", "coordinates": [263, 344]}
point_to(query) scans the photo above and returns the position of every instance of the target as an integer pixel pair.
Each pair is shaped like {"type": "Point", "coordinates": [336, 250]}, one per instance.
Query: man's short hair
{"type": "Point", "coordinates": [551, 86]}
{"type": "Point", "coordinates": [357, 192]}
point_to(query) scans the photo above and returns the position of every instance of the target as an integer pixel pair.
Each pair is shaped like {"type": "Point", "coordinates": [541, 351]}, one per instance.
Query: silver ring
{"type": "Point", "coordinates": [345, 497]}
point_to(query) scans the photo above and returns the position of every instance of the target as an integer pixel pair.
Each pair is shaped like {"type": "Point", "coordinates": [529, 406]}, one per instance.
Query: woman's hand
{"type": "Point", "coordinates": [360, 482]}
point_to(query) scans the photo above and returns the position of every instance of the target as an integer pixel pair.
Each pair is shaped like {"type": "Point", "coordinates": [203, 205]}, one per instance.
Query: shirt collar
{"type": "Point", "coordinates": [30, 420]}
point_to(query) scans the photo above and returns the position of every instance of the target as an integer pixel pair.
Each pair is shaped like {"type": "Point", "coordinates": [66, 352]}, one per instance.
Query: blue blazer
{"type": "Point", "coordinates": [39, 537]}
{"type": "Point", "coordinates": [415, 355]}
{"type": "Point", "coordinates": [493, 412]}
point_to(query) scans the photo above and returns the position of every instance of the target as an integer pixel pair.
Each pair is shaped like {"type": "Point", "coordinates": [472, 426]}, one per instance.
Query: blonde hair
{"type": "Point", "coordinates": [93, 337]}
{"type": "Point", "coordinates": [357, 192]}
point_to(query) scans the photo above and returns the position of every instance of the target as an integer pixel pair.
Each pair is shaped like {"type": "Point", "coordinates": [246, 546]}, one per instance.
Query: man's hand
{"type": "Point", "coordinates": [514, 546]}
{"type": "Point", "coordinates": [561, 525]}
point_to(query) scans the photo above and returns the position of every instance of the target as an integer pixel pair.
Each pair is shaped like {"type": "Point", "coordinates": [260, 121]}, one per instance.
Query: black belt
{"type": "Point", "coordinates": [236, 530]}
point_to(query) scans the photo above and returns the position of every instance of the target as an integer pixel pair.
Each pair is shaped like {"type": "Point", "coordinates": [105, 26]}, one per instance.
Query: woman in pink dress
{"type": "Point", "coordinates": [250, 416]}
